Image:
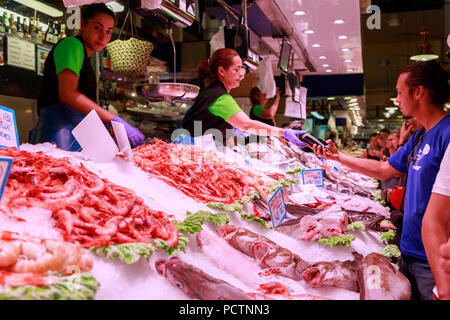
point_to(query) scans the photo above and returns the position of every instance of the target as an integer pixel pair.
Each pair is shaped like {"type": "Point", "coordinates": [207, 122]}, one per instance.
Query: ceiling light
{"type": "Point", "coordinates": [322, 57]}
{"type": "Point", "coordinates": [331, 98]}
{"type": "Point", "coordinates": [325, 65]}
{"type": "Point", "coordinates": [353, 104]}
{"type": "Point", "coordinates": [342, 37]}
{"type": "Point", "coordinates": [299, 13]}
{"type": "Point", "coordinates": [348, 98]}
{"type": "Point", "coordinates": [349, 70]}
{"type": "Point", "coordinates": [345, 49]}
{"type": "Point", "coordinates": [354, 100]}
{"type": "Point", "coordinates": [339, 21]}
{"type": "Point", "coordinates": [309, 31]}
{"type": "Point", "coordinates": [115, 6]}
{"type": "Point", "coordinates": [316, 45]}
{"type": "Point", "coordinates": [328, 70]}
{"type": "Point", "coordinates": [348, 60]}
{"type": "Point", "coordinates": [41, 7]}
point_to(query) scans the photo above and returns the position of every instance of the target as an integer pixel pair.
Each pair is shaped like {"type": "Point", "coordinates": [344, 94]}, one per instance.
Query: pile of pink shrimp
{"type": "Point", "coordinates": [88, 210]}
{"type": "Point", "coordinates": [195, 173]}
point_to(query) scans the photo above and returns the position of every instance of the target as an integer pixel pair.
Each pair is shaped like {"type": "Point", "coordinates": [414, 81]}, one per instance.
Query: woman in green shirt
{"type": "Point", "coordinates": [216, 112]}
{"type": "Point", "coordinates": [259, 110]}
{"type": "Point", "coordinates": [69, 88]}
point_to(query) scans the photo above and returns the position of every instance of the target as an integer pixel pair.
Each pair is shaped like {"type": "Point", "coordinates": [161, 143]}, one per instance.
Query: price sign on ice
{"type": "Point", "coordinates": [8, 128]}
{"type": "Point", "coordinates": [313, 176]}
{"type": "Point", "coordinates": [5, 167]}
{"type": "Point", "coordinates": [277, 208]}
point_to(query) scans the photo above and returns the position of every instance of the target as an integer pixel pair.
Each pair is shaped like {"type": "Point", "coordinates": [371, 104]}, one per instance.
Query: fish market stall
{"type": "Point", "coordinates": [176, 222]}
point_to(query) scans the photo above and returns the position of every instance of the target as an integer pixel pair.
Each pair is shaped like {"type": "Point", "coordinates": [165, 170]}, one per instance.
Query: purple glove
{"type": "Point", "coordinates": [240, 133]}
{"type": "Point", "coordinates": [291, 136]}
{"type": "Point", "coordinates": [134, 135]}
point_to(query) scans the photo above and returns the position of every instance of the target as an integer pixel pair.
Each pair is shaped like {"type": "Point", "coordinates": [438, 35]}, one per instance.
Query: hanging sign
{"type": "Point", "coordinates": [8, 128]}
{"type": "Point", "coordinates": [277, 208]}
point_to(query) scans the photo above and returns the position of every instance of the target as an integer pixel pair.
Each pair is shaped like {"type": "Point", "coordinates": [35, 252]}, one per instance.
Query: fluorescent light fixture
{"type": "Point", "coordinates": [354, 100]}
{"type": "Point", "coordinates": [322, 57]}
{"type": "Point", "coordinates": [325, 65]}
{"type": "Point", "coordinates": [316, 45]}
{"type": "Point", "coordinates": [348, 60]}
{"type": "Point", "coordinates": [348, 98]}
{"type": "Point", "coordinates": [309, 31]}
{"type": "Point", "coordinates": [299, 13]}
{"type": "Point", "coordinates": [328, 70]}
{"type": "Point", "coordinates": [339, 21]}
{"type": "Point", "coordinates": [331, 98]}
{"type": "Point", "coordinates": [41, 7]}
{"type": "Point", "coordinates": [424, 57]}
{"type": "Point", "coordinates": [349, 70]}
{"type": "Point", "coordinates": [343, 37]}
{"type": "Point", "coordinates": [354, 104]}
{"type": "Point", "coordinates": [317, 115]}
{"type": "Point", "coordinates": [115, 6]}
{"type": "Point", "coordinates": [345, 49]}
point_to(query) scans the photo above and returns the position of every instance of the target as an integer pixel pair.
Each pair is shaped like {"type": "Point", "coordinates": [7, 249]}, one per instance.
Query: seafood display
{"type": "Point", "coordinates": [177, 222]}
{"type": "Point", "coordinates": [87, 209]}
{"type": "Point", "coordinates": [379, 280]}
{"type": "Point", "coordinates": [265, 252]}
{"type": "Point", "coordinates": [191, 170]}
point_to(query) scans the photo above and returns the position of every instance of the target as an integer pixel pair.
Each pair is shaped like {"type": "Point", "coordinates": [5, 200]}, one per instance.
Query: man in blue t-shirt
{"type": "Point", "coordinates": [422, 91]}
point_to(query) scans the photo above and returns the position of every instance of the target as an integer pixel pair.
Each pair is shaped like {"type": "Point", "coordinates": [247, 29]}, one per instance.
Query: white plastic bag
{"type": "Point", "coordinates": [217, 41]}
{"type": "Point", "coordinates": [266, 80]}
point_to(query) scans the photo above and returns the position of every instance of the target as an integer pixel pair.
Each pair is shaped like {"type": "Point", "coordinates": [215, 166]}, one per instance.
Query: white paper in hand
{"type": "Point", "coordinates": [97, 143]}
{"type": "Point", "coordinates": [122, 138]}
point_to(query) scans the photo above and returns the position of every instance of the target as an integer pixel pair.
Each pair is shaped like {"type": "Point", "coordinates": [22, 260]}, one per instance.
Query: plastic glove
{"type": "Point", "coordinates": [135, 136]}
{"type": "Point", "coordinates": [240, 133]}
{"type": "Point", "coordinates": [291, 136]}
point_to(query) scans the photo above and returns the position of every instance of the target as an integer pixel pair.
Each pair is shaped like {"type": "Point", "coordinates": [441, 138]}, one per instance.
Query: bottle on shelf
{"type": "Point", "coordinates": [12, 24]}
{"type": "Point", "coordinates": [6, 22]}
{"type": "Point", "coordinates": [49, 32]}
{"type": "Point", "coordinates": [62, 34]}
{"type": "Point", "coordinates": [2, 24]}
{"type": "Point", "coordinates": [33, 33]}
{"type": "Point", "coordinates": [56, 32]}
{"type": "Point", "coordinates": [19, 27]}
{"type": "Point", "coordinates": [38, 30]}
{"type": "Point", "coordinates": [26, 31]}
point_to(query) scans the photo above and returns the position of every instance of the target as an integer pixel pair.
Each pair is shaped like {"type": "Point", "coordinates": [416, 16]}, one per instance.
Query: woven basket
{"type": "Point", "coordinates": [129, 57]}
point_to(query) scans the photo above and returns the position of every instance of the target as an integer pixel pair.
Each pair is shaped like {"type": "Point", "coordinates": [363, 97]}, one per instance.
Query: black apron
{"type": "Point", "coordinates": [199, 112]}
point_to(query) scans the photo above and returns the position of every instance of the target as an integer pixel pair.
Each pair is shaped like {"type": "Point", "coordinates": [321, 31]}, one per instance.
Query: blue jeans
{"type": "Point", "coordinates": [419, 275]}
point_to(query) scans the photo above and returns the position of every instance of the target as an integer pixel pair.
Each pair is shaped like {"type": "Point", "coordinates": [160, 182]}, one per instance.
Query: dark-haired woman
{"type": "Point", "coordinates": [259, 110]}
{"type": "Point", "coordinates": [215, 111]}
{"type": "Point", "coordinates": [70, 88]}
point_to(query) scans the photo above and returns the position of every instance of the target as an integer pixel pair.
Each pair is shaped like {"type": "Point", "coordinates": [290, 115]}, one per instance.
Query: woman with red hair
{"type": "Point", "coordinates": [216, 112]}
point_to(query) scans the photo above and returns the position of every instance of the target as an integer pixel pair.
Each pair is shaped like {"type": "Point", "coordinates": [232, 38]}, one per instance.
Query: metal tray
{"type": "Point", "coordinates": [174, 92]}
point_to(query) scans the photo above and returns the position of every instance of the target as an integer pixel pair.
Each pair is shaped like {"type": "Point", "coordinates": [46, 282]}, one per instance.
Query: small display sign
{"type": "Point", "coordinates": [277, 208]}
{"type": "Point", "coordinates": [5, 167]}
{"type": "Point", "coordinates": [8, 128]}
{"type": "Point", "coordinates": [313, 176]}
{"type": "Point", "coordinates": [21, 53]}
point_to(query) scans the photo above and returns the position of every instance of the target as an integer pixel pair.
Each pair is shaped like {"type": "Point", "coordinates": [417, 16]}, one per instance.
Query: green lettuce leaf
{"type": "Point", "coordinates": [390, 251]}
{"type": "Point", "coordinates": [249, 217]}
{"type": "Point", "coordinates": [337, 241]}
{"type": "Point", "coordinates": [358, 225]}
{"type": "Point", "coordinates": [79, 286]}
{"type": "Point", "coordinates": [225, 207]}
{"type": "Point", "coordinates": [181, 246]}
{"type": "Point", "coordinates": [126, 252]}
{"type": "Point", "coordinates": [296, 170]}
{"type": "Point", "coordinates": [281, 183]}
{"type": "Point", "coordinates": [387, 236]}
{"type": "Point", "coordinates": [194, 221]}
